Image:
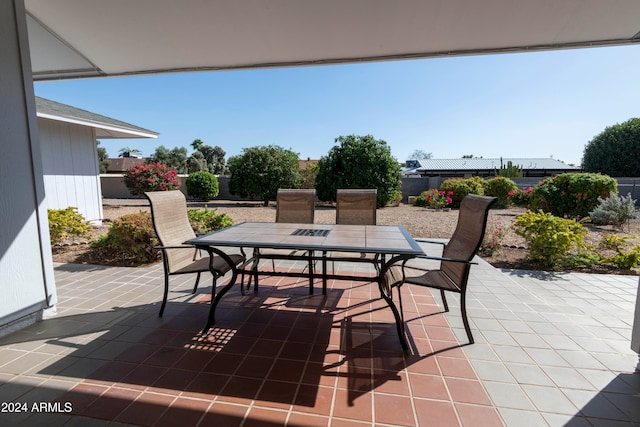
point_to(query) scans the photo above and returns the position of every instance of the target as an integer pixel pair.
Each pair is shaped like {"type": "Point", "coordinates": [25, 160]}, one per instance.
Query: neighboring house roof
{"type": "Point", "coordinates": [105, 127]}
{"type": "Point", "coordinates": [416, 166]}
{"type": "Point", "coordinates": [122, 164]}
{"type": "Point", "coordinates": [481, 163]}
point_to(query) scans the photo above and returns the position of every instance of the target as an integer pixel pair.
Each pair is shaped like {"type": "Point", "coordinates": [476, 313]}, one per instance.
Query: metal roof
{"type": "Point", "coordinates": [84, 38]}
{"type": "Point", "coordinates": [105, 127]}
{"type": "Point", "coordinates": [490, 164]}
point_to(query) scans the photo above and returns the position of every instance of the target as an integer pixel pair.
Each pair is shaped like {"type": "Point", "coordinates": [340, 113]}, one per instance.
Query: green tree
{"type": "Point", "coordinates": [196, 162]}
{"type": "Point", "coordinates": [103, 158]}
{"type": "Point", "coordinates": [260, 171]}
{"type": "Point", "coordinates": [359, 162]}
{"type": "Point", "coordinates": [207, 158]}
{"type": "Point", "coordinates": [308, 175]}
{"type": "Point", "coordinates": [419, 154]}
{"type": "Point", "coordinates": [614, 152]}
{"type": "Point", "coordinates": [196, 144]}
{"type": "Point", "coordinates": [214, 157]}
{"type": "Point", "coordinates": [176, 158]}
{"type": "Point", "coordinates": [509, 171]}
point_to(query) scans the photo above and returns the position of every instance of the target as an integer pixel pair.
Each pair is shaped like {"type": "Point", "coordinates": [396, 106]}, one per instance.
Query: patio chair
{"type": "Point", "coordinates": [455, 261]}
{"type": "Point", "coordinates": [292, 206]}
{"type": "Point", "coordinates": [171, 224]}
{"type": "Point", "coordinates": [356, 207]}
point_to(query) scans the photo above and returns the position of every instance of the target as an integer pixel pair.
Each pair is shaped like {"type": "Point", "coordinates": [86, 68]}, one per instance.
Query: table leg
{"type": "Point", "coordinates": [211, 320]}
{"type": "Point", "coordinates": [310, 254]}
{"type": "Point", "coordinates": [324, 273]}
{"type": "Point", "coordinates": [215, 298]}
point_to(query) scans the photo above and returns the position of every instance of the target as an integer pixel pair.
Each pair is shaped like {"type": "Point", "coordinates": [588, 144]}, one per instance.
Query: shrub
{"type": "Point", "coordinates": [461, 187]}
{"type": "Point", "coordinates": [66, 222]}
{"type": "Point", "coordinates": [550, 238]}
{"type": "Point", "coordinates": [622, 259]}
{"type": "Point", "coordinates": [614, 210]}
{"type": "Point", "coordinates": [202, 185]}
{"type": "Point", "coordinates": [205, 221]}
{"type": "Point", "coordinates": [571, 195]}
{"type": "Point", "coordinates": [500, 187]}
{"type": "Point", "coordinates": [151, 177]}
{"type": "Point", "coordinates": [520, 197]}
{"type": "Point", "coordinates": [396, 199]}
{"type": "Point", "coordinates": [133, 236]}
{"type": "Point", "coordinates": [434, 198]}
{"type": "Point", "coordinates": [492, 241]}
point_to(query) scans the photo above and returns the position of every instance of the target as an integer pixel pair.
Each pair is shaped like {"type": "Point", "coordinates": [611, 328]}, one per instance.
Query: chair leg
{"type": "Point", "coordinates": [399, 288]}
{"type": "Point", "coordinates": [444, 300]}
{"type": "Point", "coordinates": [195, 288]}
{"type": "Point", "coordinates": [242, 284]}
{"type": "Point", "coordinates": [254, 268]}
{"type": "Point", "coordinates": [166, 293]}
{"type": "Point", "coordinates": [463, 307]}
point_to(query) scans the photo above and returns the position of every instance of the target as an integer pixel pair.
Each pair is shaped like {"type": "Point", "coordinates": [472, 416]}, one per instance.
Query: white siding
{"type": "Point", "coordinates": [27, 284]}
{"type": "Point", "coordinates": [70, 167]}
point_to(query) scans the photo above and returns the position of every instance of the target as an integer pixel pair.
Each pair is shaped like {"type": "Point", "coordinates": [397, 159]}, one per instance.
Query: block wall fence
{"type": "Point", "coordinates": [113, 187]}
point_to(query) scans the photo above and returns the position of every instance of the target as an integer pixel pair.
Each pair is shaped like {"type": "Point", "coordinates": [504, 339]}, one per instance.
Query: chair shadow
{"type": "Point", "coordinates": [372, 355]}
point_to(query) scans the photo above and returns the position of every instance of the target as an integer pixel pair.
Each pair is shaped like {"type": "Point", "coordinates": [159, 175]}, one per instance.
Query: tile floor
{"type": "Point", "coordinates": [551, 350]}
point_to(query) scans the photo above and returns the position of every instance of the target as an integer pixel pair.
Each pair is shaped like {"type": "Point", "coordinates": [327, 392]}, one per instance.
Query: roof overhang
{"type": "Point", "coordinates": [103, 131]}
{"type": "Point", "coordinates": [85, 38]}
{"type": "Point", "coordinates": [105, 127]}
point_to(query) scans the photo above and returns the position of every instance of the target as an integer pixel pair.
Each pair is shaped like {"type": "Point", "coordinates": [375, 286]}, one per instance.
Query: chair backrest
{"type": "Point", "coordinates": [467, 238]}
{"type": "Point", "coordinates": [171, 223]}
{"type": "Point", "coordinates": [356, 206]}
{"type": "Point", "coordinates": [295, 205]}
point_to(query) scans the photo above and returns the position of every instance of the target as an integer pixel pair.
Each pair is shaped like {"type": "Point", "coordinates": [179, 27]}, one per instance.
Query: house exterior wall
{"type": "Point", "coordinates": [27, 283]}
{"type": "Point", "coordinates": [70, 167]}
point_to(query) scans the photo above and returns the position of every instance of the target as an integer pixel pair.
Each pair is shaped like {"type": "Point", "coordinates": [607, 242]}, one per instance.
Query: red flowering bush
{"type": "Point", "coordinates": [520, 197]}
{"type": "Point", "coordinates": [151, 177]}
{"type": "Point", "coordinates": [434, 198]}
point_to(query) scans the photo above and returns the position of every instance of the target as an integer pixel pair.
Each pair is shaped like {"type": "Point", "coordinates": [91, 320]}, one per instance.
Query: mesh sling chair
{"type": "Point", "coordinates": [171, 224]}
{"type": "Point", "coordinates": [455, 261]}
{"type": "Point", "coordinates": [292, 206]}
{"type": "Point", "coordinates": [356, 207]}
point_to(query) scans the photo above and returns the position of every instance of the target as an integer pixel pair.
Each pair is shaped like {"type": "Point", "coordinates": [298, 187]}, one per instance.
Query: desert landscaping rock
{"type": "Point", "coordinates": [420, 222]}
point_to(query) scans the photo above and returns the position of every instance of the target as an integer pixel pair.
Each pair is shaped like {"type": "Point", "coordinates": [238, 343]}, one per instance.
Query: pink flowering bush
{"type": "Point", "coordinates": [434, 198]}
{"type": "Point", "coordinates": [519, 197]}
{"type": "Point", "coordinates": [151, 177]}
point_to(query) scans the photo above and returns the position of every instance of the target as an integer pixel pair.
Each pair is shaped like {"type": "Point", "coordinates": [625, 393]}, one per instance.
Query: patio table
{"type": "Point", "coordinates": [392, 242]}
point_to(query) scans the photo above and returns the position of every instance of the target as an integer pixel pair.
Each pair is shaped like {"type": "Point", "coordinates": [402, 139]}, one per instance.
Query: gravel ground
{"type": "Point", "coordinates": [511, 252]}
{"type": "Point", "coordinates": [420, 222]}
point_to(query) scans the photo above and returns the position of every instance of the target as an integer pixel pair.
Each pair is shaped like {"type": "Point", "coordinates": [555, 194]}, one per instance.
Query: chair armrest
{"type": "Point", "coordinates": [174, 247]}
{"type": "Point", "coordinates": [431, 241]}
{"type": "Point", "coordinates": [436, 258]}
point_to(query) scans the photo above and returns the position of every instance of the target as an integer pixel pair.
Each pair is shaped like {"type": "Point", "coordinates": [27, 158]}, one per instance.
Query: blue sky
{"type": "Point", "coordinates": [538, 104]}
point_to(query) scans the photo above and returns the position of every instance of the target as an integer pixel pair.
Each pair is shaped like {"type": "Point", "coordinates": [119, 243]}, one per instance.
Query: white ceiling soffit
{"type": "Point", "coordinates": [80, 38]}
